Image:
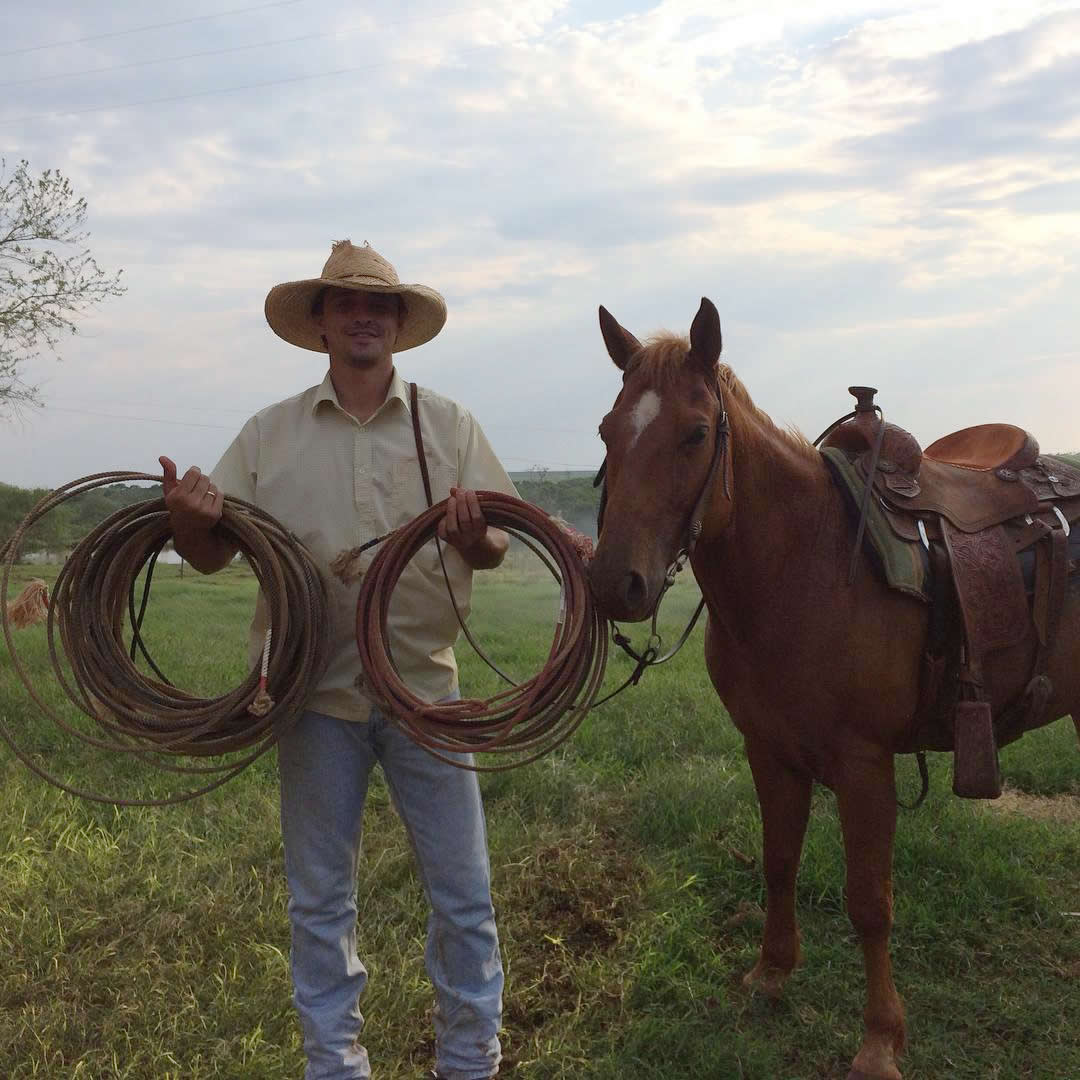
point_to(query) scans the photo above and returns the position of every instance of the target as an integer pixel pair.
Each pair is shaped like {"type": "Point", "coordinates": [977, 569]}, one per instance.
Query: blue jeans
{"type": "Point", "coordinates": [325, 764]}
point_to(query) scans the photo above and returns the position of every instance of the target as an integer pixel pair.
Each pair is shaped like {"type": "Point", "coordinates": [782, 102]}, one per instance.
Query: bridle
{"type": "Point", "coordinates": [651, 655]}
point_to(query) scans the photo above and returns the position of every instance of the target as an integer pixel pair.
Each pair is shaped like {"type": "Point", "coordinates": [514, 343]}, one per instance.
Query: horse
{"type": "Point", "coordinates": [818, 669]}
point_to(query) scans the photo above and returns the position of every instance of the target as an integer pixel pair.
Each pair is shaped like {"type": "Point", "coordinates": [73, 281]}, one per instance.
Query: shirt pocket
{"type": "Point", "coordinates": [407, 501]}
{"type": "Point", "coordinates": [407, 498]}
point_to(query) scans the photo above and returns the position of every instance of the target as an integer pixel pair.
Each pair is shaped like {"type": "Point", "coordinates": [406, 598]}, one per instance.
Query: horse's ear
{"type": "Point", "coordinates": [621, 344]}
{"type": "Point", "coordinates": [705, 339]}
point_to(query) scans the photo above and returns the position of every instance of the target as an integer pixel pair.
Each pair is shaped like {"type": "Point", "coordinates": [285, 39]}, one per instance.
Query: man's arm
{"type": "Point", "coordinates": [481, 545]}
{"type": "Point", "coordinates": [194, 506]}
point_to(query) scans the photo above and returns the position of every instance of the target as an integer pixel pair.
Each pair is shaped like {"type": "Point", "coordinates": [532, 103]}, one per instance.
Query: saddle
{"type": "Point", "coordinates": [978, 502]}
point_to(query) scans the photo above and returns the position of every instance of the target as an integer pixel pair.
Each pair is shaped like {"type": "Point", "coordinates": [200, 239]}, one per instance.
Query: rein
{"type": "Point", "coordinates": [650, 656]}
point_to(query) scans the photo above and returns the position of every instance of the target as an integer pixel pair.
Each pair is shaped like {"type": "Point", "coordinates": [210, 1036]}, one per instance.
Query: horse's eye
{"type": "Point", "coordinates": [697, 436]}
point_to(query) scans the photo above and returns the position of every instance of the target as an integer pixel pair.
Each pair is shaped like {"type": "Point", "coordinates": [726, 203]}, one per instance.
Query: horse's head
{"type": "Point", "coordinates": [666, 441]}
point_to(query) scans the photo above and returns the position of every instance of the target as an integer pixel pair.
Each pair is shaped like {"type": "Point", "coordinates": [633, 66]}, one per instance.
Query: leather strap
{"type": "Point", "coordinates": [720, 463]}
{"type": "Point", "coordinates": [1051, 574]}
{"type": "Point", "coordinates": [414, 408]}
{"type": "Point", "coordinates": [421, 457]}
{"type": "Point", "coordinates": [1051, 571]}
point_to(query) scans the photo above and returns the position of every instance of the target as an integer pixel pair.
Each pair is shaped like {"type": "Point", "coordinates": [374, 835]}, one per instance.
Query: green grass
{"type": "Point", "coordinates": [153, 943]}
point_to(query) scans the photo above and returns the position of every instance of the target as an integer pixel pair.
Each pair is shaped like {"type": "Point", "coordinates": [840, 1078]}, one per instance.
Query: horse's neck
{"type": "Point", "coordinates": [785, 536]}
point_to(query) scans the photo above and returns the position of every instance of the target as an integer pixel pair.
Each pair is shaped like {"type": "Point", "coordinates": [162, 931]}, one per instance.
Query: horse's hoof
{"type": "Point", "coordinates": [767, 981]}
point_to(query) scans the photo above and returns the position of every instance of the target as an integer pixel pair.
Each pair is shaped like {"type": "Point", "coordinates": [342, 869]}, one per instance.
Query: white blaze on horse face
{"type": "Point", "coordinates": [644, 413]}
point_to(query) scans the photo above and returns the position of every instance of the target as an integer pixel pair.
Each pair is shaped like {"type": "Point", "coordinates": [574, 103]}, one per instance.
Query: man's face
{"type": "Point", "coordinates": [360, 327]}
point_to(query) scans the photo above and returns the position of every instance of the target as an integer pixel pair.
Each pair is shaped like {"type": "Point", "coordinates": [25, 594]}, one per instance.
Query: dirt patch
{"type": "Point", "coordinates": [1060, 808]}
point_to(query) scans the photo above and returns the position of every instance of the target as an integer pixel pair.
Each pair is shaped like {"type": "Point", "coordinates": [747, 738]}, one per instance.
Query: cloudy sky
{"type": "Point", "coordinates": [869, 192]}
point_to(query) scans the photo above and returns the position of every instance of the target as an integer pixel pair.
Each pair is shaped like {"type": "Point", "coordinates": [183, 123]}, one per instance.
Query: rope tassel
{"type": "Point", "coordinates": [31, 606]}
{"type": "Point", "coordinates": [263, 702]}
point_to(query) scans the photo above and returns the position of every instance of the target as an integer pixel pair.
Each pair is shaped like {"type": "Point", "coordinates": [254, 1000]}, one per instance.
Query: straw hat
{"type": "Point", "coordinates": [288, 306]}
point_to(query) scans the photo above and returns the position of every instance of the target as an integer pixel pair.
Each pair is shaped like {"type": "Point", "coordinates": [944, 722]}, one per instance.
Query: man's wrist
{"type": "Point", "coordinates": [488, 551]}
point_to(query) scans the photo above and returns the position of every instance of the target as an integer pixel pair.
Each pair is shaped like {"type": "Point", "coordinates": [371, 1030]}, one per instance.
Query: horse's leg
{"type": "Point", "coordinates": [866, 799]}
{"type": "Point", "coordinates": [784, 797]}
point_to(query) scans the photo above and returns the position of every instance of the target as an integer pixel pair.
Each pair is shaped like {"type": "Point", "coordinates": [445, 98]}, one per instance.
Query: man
{"type": "Point", "coordinates": [337, 465]}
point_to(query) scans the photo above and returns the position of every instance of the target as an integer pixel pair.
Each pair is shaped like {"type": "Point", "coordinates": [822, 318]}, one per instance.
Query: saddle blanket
{"type": "Point", "coordinates": [905, 565]}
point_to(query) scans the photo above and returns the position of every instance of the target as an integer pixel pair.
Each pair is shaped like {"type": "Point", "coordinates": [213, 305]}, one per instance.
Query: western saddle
{"type": "Point", "coordinates": [978, 501]}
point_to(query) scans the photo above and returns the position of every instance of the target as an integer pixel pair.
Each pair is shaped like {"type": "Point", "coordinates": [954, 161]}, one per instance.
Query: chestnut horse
{"type": "Point", "coordinates": [820, 677]}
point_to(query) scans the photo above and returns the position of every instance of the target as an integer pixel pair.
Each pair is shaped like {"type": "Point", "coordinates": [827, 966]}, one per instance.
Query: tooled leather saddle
{"type": "Point", "coordinates": [979, 502]}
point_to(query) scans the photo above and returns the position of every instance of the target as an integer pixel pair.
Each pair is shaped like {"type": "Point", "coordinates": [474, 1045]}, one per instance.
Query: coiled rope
{"type": "Point", "coordinates": [526, 720]}
{"type": "Point", "coordinates": [157, 723]}
{"type": "Point", "coordinates": [146, 717]}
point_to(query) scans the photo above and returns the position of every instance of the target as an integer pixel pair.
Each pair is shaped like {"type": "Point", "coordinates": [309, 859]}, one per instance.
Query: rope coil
{"type": "Point", "coordinates": [150, 719]}
{"type": "Point", "coordinates": [146, 717]}
{"type": "Point", "coordinates": [527, 720]}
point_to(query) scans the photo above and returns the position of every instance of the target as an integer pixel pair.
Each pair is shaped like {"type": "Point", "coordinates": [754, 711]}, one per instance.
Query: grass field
{"type": "Point", "coordinates": [153, 943]}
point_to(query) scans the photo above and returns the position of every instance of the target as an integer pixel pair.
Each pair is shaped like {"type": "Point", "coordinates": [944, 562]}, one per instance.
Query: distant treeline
{"type": "Point", "coordinates": [65, 525]}
{"type": "Point", "coordinates": [574, 499]}
{"type": "Point", "coordinates": [62, 528]}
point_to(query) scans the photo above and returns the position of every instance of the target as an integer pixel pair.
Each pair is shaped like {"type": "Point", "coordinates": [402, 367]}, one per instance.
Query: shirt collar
{"type": "Point", "coordinates": [325, 391]}
{"type": "Point", "coordinates": [399, 389]}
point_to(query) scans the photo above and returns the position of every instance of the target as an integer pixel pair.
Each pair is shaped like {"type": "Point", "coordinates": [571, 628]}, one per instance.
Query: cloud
{"type": "Point", "coordinates": [860, 191]}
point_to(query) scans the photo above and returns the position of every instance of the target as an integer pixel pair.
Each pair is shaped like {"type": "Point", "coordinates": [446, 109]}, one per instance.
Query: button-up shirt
{"type": "Point", "coordinates": [336, 483]}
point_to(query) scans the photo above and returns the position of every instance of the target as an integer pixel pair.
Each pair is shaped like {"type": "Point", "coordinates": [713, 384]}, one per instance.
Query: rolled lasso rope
{"type": "Point", "coordinates": [149, 718]}
{"type": "Point", "coordinates": [527, 720]}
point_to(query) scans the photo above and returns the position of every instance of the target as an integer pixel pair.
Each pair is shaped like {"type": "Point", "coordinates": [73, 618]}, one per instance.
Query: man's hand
{"type": "Point", "coordinates": [193, 503]}
{"type": "Point", "coordinates": [194, 506]}
{"type": "Point", "coordinates": [464, 524]}
{"type": "Point", "coordinates": [465, 527]}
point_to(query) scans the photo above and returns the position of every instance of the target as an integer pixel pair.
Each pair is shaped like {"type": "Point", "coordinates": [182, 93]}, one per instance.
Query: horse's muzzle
{"type": "Point", "coordinates": [623, 595]}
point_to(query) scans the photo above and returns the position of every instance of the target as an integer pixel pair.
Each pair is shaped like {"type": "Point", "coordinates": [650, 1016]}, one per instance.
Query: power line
{"type": "Point", "coordinates": [150, 26]}
{"type": "Point", "coordinates": [564, 465]}
{"type": "Point", "coordinates": [530, 461]}
{"type": "Point", "coordinates": [190, 96]}
{"type": "Point", "coordinates": [236, 89]}
{"type": "Point", "coordinates": [162, 60]}
{"type": "Point", "coordinates": [228, 49]}
{"type": "Point", "coordinates": [209, 406]}
{"type": "Point", "coordinates": [214, 408]}
{"type": "Point", "coordinates": [542, 430]}
{"type": "Point", "coordinates": [139, 419]}
{"type": "Point", "coordinates": [225, 427]}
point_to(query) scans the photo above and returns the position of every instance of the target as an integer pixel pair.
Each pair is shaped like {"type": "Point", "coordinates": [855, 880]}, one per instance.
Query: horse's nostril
{"type": "Point", "coordinates": [635, 590]}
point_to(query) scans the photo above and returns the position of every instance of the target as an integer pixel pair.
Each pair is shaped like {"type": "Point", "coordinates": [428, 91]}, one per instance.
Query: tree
{"type": "Point", "coordinates": [47, 276]}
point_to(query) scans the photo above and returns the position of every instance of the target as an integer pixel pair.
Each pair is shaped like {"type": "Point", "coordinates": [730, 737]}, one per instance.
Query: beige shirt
{"type": "Point", "coordinates": [337, 483]}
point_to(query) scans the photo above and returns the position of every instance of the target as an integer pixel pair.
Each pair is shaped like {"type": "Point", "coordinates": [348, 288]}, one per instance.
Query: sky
{"type": "Point", "coordinates": [870, 193]}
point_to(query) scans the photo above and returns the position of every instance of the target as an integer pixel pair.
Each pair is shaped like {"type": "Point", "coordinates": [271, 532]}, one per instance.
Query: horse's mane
{"type": "Point", "coordinates": [662, 357]}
